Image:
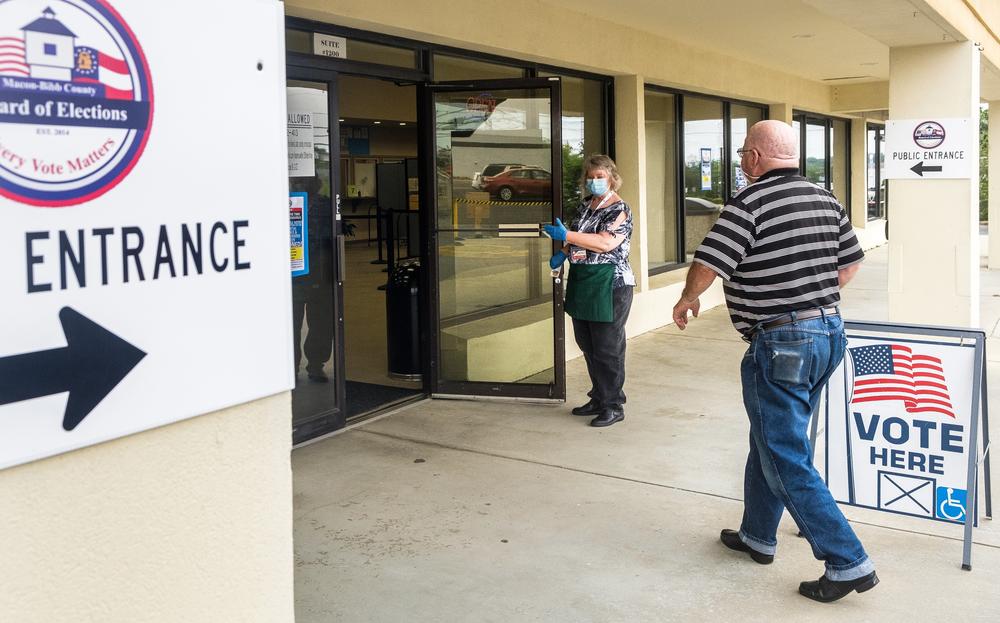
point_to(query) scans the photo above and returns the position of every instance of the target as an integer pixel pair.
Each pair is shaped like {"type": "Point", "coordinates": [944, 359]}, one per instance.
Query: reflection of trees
{"type": "Point", "coordinates": [572, 169]}
{"type": "Point", "coordinates": [816, 170]}
{"type": "Point", "coordinates": [692, 181]}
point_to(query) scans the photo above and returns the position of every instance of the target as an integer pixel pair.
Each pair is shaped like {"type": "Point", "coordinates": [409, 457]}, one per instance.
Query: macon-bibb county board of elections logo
{"type": "Point", "coordinates": [76, 100]}
{"type": "Point", "coordinates": [929, 134]}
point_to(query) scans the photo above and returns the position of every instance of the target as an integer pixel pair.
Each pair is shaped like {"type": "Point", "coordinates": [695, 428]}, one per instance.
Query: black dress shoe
{"type": "Point", "coordinates": [608, 417]}
{"type": "Point", "coordinates": [591, 408]}
{"type": "Point", "coordinates": [827, 590]}
{"type": "Point", "coordinates": [318, 377]}
{"type": "Point", "coordinates": [732, 540]}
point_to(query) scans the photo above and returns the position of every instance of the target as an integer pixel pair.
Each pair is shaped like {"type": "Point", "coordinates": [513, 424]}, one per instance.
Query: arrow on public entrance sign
{"type": "Point", "coordinates": [91, 364]}
{"type": "Point", "coordinates": [920, 167]}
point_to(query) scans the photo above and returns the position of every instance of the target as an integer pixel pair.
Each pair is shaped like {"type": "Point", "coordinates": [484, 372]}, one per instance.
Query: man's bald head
{"type": "Point", "coordinates": [770, 145]}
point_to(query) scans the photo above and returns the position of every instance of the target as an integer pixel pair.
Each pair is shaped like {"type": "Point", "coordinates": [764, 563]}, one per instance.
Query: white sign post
{"type": "Point", "coordinates": [144, 237]}
{"type": "Point", "coordinates": [900, 422]}
{"type": "Point", "coordinates": [928, 149]}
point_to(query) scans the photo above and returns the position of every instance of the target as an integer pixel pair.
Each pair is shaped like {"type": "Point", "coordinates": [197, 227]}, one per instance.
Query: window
{"type": "Point", "coordinates": [583, 131]}
{"type": "Point", "coordinates": [303, 42]}
{"type": "Point", "coordinates": [741, 119]}
{"type": "Point", "coordinates": [694, 165]}
{"type": "Point", "coordinates": [703, 170]}
{"type": "Point", "coordinates": [825, 153]}
{"type": "Point", "coordinates": [50, 49]}
{"type": "Point", "coordinates": [877, 187]}
{"type": "Point", "coordinates": [457, 68]}
{"type": "Point", "coordinates": [661, 178]}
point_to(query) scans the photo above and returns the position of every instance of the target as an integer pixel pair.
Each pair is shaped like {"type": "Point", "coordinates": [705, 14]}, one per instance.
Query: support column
{"type": "Point", "coordinates": [630, 156]}
{"type": "Point", "coordinates": [994, 187]}
{"type": "Point", "coordinates": [934, 244]}
{"type": "Point", "coordinates": [780, 112]}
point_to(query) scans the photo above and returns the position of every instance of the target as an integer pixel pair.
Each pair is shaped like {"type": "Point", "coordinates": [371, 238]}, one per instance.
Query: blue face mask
{"type": "Point", "coordinates": [597, 186]}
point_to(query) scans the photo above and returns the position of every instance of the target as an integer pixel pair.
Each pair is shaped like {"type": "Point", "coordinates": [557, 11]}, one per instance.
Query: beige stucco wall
{"type": "Point", "coordinates": [188, 522]}
{"type": "Point", "coordinates": [627, 51]}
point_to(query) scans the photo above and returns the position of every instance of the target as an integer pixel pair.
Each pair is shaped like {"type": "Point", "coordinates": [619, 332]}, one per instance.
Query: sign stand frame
{"type": "Point", "coordinates": [979, 405]}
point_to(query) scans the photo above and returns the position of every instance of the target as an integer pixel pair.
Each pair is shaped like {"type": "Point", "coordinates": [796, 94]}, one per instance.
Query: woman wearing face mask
{"type": "Point", "coordinates": [599, 288]}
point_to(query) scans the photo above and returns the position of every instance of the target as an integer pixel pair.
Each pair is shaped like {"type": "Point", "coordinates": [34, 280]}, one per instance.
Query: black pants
{"type": "Point", "coordinates": [603, 346]}
{"type": "Point", "coordinates": [315, 304]}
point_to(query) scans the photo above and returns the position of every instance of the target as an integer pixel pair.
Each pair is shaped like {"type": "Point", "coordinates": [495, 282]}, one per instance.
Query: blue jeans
{"type": "Point", "coordinates": [783, 372]}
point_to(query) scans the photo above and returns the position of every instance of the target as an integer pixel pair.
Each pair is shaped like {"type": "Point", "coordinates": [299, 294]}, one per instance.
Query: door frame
{"type": "Point", "coordinates": [555, 391]}
{"type": "Point", "coordinates": [336, 417]}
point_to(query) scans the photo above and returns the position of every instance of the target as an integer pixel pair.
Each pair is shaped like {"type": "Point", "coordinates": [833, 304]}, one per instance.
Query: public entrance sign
{"type": "Point", "coordinates": [898, 428]}
{"type": "Point", "coordinates": [143, 229]}
{"type": "Point", "coordinates": [928, 149]}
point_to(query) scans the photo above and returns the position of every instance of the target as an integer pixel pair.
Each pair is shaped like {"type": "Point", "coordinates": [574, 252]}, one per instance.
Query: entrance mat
{"type": "Point", "coordinates": [365, 397]}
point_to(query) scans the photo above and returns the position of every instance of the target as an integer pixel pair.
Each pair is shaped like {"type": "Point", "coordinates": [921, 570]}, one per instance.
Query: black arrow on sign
{"type": "Point", "coordinates": [920, 167]}
{"type": "Point", "coordinates": [91, 364]}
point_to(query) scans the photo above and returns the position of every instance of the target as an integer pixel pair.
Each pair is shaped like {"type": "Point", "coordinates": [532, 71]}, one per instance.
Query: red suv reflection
{"type": "Point", "coordinates": [528, 182]}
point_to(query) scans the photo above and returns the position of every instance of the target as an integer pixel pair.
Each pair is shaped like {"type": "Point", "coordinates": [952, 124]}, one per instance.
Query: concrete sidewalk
{"type": "Point", "coordinates": [462, 511]}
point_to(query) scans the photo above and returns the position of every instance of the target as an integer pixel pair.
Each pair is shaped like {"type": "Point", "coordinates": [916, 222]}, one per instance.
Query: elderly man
{"type": "Point", "coordinates": [784, 247]}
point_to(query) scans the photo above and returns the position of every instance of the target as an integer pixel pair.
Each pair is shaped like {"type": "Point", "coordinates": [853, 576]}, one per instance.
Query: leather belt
{"type": "Point", "coordinates": [789, 318]}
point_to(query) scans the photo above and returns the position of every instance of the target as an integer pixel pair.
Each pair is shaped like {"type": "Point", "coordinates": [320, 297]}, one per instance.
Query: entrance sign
{"type": "Point", "coordinates": [928, 149]}
{"type": "Point", "coordinates": [145, 259]}
{"type": "Point", "coordinates": [900, 421]}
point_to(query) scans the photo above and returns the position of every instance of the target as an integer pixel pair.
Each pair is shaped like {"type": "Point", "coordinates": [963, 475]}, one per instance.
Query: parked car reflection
{"type": "Point", "coordinates": [523, 183]}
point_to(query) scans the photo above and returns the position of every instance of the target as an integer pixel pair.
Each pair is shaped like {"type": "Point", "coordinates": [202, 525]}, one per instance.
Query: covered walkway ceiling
{"type": "Point", "coordinates": [833, 41]}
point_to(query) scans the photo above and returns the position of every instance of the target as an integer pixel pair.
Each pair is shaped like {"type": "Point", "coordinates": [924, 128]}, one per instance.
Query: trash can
{"type": "Point", "coordinates": [402, 313]}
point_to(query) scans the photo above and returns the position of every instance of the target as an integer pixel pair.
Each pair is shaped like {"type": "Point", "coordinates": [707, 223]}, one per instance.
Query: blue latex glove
{"type": "Point", "coordinates": [557, 260]}
{"type": "Point", "coordinates": [556, 232]}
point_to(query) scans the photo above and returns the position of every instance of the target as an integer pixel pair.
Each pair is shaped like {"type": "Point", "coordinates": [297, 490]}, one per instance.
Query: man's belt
{"type": "Point", "coordinates": [790, 317]}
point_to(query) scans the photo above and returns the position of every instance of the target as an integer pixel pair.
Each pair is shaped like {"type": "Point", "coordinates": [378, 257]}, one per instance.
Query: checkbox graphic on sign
{"type": "Point", "coordinates": [901, 493]}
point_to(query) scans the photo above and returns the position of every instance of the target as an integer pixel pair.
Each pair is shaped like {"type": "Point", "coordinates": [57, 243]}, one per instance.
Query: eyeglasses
{"type": "Point", "coordinates": [743, 151]}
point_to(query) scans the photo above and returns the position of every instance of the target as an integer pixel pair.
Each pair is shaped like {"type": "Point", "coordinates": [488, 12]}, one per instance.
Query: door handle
{"type": "Point", "coordinates": [340, 258]}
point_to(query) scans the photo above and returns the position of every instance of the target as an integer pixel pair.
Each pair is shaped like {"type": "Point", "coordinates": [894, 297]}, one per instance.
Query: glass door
{"type": "Point", "coordinates": [316, 253]}
{"type": "Point", "coordinates": [494, 172]}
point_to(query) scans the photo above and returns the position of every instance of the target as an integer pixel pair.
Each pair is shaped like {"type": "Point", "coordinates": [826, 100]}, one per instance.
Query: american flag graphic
{"type": "Point", "coordinates": [887, 372]}
{"type": "Point", "coordinates": [12, 61]}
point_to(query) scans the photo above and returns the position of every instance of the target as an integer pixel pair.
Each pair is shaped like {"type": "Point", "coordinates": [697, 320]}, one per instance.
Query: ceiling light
{"type": "Point", "coordinates": [402, 123]}
{"type": "Point", "coordinates": [377, 122]}
{"type": "Point", "coordinates": [807, 35]}
{"type": "Point", "coordinates": [869, 63]}
{"type": "Point", "coordinates": [341, 120]}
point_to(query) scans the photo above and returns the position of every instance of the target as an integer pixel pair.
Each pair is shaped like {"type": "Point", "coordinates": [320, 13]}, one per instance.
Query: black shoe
{"type": "Point", "coordinates": [827, 590]}
{"type": "Point", "coordinates": [608, 417]}
{"type": "Point", "coordinates": [591, 408]}
{"type": "Point", "coordinates": [732, 540]}
{"type": "Point", "coordinates": [319, 377]}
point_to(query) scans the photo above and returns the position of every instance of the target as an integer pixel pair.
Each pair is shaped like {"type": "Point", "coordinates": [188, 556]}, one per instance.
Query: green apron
{"type": "Point", "coordinates": [588, 292]}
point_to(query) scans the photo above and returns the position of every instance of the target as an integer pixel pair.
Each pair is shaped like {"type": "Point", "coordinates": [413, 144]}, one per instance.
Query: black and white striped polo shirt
{"type": "Point", "coordinates": [779, 244]}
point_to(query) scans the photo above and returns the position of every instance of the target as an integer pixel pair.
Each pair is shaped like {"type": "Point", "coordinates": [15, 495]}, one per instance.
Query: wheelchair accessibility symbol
{"type": "Point", "coordinates": [951, 503]}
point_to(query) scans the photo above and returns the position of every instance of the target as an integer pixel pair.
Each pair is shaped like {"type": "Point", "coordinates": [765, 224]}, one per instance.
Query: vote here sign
{"type": "Point", "coordinates": [896, 427]}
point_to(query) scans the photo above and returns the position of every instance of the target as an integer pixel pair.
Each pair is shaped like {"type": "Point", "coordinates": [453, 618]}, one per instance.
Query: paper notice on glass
{"type": "Point", "coordinates": [298, 217]}
{"type": "Point", "coordinates": [301, 161]}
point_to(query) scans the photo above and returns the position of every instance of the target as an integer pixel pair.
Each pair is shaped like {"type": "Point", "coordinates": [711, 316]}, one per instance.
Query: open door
{"type": "Point", "coordinates": [493, 176]}
{"type": "Point", "coordinates": [316, 245]}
